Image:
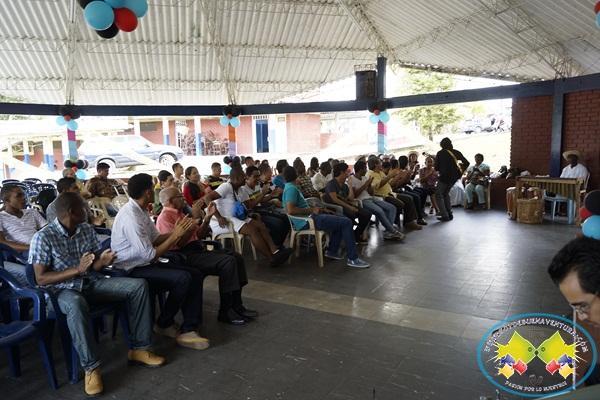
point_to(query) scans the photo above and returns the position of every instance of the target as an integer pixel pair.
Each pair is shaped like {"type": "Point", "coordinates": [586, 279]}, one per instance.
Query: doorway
{"type": "Point", "coordinates": [262, 136]}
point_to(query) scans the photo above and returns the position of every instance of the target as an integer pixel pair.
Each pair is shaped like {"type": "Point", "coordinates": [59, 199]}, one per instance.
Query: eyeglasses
{"type": "Point", "coordinates": [584, 308]}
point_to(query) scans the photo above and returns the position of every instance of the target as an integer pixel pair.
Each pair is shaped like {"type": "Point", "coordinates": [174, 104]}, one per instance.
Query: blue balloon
{"type": "Point", "coordinates": [99, 15]}
{"type": "Point", "coordinates": [139, 7]}
{"type": "Point", "coordinates": [235, 122]}
{"type": "Point", "coordinates": [72, 125]}
{"type": "Point", "coordinates": [598, 20]}
{"type": "Point", "coordinates": [224, 121]}
{"type": "Point", "coordinates": [60, 120]}
{"type": "Point", "coordinates": [384, 117]}
{"type": "Point", "coordinates": [591, 227]}
{"type": "Point", "coordinates": [116, 3]}
{"type": "Point", "coordinates": [374, 118]}
{"type": "Point", "coordinates": [80, 174]}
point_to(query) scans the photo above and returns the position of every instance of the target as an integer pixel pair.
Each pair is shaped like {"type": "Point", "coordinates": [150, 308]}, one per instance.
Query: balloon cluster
{"type": "Point", "coordinates": [378, 112]}
{"type": "Point", "coordinates": [68, 116]}
{"type": "Point", "coordinates": [590, 215]}
{"type": "Point", "coordinates": [107, 17]}
{"type": "Point", "coordinates": [230, 116]}
{"type": "Point", "coordinates": [77, 166]}
{"type": "Point", "coordinates": [597, 11]}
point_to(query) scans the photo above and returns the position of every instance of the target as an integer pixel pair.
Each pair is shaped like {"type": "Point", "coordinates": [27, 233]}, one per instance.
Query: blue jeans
{"type": "Point", "coordinates": [385, 212]}
{"type": "Point", "coordinates": [75, 305]}
{"type": "Point", "coordinates": [338, 228]}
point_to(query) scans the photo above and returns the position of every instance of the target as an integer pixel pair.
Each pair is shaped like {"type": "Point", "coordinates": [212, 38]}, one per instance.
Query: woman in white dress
{"type": "Point", "coordinates": [230, 207]}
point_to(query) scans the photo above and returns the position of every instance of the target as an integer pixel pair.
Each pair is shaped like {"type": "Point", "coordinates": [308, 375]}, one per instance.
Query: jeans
{"type": "Point", "coordinates": [277, 224]}
{"type": "Point", "coordinates": [184, 285]}
{"type": "Point", "coordinates": [416, 200]}
{"type": "Point", "coordinates": [364, 218]}
{"type": "Point", "coordinates": [479, 189]}
{"type": "Point", "coordinates": [75, 305]}
{"type": "Point", "coordinates": [385, 212]}
{"type": "Point", "coordinates": [338, 228]}
{"type": "Point", "coordinates": [442, 196]}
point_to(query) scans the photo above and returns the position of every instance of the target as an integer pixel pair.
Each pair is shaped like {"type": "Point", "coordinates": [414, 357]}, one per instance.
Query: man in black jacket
{"type": "Point", "coordinates": [450, 164]}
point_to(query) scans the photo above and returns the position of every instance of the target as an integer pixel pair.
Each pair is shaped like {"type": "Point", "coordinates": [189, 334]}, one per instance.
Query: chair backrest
{"type": "Point", "coordinates": [32, 180]}
{"type": "Point", "coordinates": [10, 181]}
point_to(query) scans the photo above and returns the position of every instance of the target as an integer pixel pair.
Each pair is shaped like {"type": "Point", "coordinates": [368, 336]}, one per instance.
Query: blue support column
{"type": "Point", "coordinates": [198, 133]}
{"type": "Point", "coordinates": [558, 110]}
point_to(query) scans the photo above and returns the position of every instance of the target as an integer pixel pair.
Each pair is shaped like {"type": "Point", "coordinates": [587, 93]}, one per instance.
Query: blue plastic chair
{"type": "Point", "coordinates": [15, 331]}
{"type": "Point", "coordinates": [97, 314]}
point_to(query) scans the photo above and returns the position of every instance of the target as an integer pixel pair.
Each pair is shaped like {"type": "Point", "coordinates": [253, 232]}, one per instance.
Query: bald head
{"type": "Point", "coordinates": [168, 195]}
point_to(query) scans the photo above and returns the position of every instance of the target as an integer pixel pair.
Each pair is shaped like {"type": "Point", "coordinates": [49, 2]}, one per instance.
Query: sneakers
{"type": "Point", "coordinates": [333, 256]}
{"type": "Point", "coordinates": [145, 358]}
{"type": "Point", "coordinates": [397, 235]}
{"type": "Point", "coordinates": [171, 331]}
{"type": "Point", "coordinates": [357, 263]}
{"type": "Point", "coordinates": [193, 341]}
{"type": "Point", "coordinates": [422, 222]}
{"type": "Point", "coordinates": [93, 383]}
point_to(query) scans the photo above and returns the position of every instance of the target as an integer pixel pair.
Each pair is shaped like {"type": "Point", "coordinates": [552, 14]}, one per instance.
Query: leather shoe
{"type": "Point", "coordinates": [145, 358]}
{"type": "Point", "coordinates": [93, 383]}
{"type": "Point", "coordinates": [422, 222]}
{"type": "Point", "coordinates": [245, 312]}
{"type": "Point", "coordinates": [231, 317]}
{"type": "Point", "coordinates": [443, 219]}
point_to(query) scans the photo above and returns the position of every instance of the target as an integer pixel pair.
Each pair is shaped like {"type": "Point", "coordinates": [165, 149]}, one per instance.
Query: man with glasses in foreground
{"type": "Point", "coordinates": [576, 271]}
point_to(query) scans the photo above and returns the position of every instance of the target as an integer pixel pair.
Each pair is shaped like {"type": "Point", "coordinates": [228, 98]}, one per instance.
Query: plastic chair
{"type": "Point", "coordinates": [17, 331]}
{"type": "Point", "coordinates": [98, 208]}
{"type": "Point", "coordinates": [119, 201]}
{"type": "Point", "coordinates": [32, 180]}
{"type": "Point", "coordinates": [10, 181]}
{"type": "Point", "coordinates": [295, 235]}
{"type": "Point", "coordinates": [554, 201]}
{"type": "Point", "coordinates": [97, 313]}
{"type": "Point", "coordinates": [488, 191]}
{"type": "Point", "coordinates": [237, 238]}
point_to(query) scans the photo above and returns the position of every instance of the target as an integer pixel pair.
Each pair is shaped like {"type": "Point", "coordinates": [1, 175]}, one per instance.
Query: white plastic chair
{"type": "Point", "coordinates": [295, 235]}
{"type": "Point", "coordinates": [119, 201]}
{"type": "Point", "coordinates": [98, 208]}
{"type": "Point", "coordinates": [237, 238]}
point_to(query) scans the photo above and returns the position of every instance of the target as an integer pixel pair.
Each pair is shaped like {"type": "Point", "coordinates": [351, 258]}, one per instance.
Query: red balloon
{"type": "Point", "coordinates": [584, 213]}
{"type": "Point", "coordinates": [67, 117]}
{"type": "Point", "coordinates": [597, 7]}
{"type": "Point", "coordinates": [125, 19]}
{"type": "Point", "coordinates": [376, 112]}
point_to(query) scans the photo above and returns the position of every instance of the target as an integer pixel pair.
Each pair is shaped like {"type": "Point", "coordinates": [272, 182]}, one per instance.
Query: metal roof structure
{"type": "Point", "coordinates": [258, 51]}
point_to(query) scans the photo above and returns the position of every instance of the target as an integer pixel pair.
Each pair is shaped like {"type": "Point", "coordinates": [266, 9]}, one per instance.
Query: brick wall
{"type": "Point", "coordinates": [303, 133]}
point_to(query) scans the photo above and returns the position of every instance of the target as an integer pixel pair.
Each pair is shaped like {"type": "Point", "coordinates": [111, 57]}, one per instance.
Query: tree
{"type": "Point", "coordinates": [8, 99]}
{"type": "Point", "coordinates": [430, 119]}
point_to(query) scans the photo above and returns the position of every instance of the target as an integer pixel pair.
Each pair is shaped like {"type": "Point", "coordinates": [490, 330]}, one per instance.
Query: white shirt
{"type": "Point", "coordinates": [246, 192]}
{"type": "Point", "coordinates": [319, 181]}
{"type": "Point", "coordinates": [133, 233]}
{"type": "Point", "coordinates": [21, 230]}
{"type": "Point", "coordinates": [227, 201]}
{"type": "Point", "coordinates": [579, 171]}
{"type": "Point", "coordinates": [357, 184]}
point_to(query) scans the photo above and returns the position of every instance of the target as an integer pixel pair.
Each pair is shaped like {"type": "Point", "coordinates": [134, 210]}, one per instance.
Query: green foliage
{"type": "Point", "coordinates": [430, 119]}
{"type": "Point", "coordinates": [8, 99]}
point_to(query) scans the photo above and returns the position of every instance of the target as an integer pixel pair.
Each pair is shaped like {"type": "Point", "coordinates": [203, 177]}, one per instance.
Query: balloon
{"type": "Point", "coordinates": [376, 112]}
{"type": "Point", "coordinates": [598, 20]}
{"type": "Point", "coordinates": [109, 33]}
{"type": "Point", "coordinates": [597, 7]}
{"type": "Point", "coordinates": [116, 3]}
{"type": "Point", "coordinates": [84, 3]}
{"type": "Point", "coordinates": [592, 202]}
{"type": "Point", "coordinates": [86, 164]}
{"type": "Point", "coordinates": [591, 227]}
{"type": "Point", "coordinates": [125, 19]}
{"type": "Point", "coordinates": [384, 117]}
{"type": "Point", "coordinates": [139, 7]}
{"type": "Point", "coordinates": [80, 164]}
{"type": "Point", "coordinates": [68, 164]}
{"type": "Point", "coordinates": [373, 118]}
{"type": "Point", "coordinates": [584, 213]}
{"type": "Point", "coordinates": [99, 15]}
{"type": "Point", "coordinates": [235, 122]}
{"type": "Point", "coordinates": [80, 174]}
{"type": "Point", "coordinates": [60, 120]}
{"type": "Point", "coordinates": [67, 117]}
{"type": "Point", "coordinates": [72, 125]}
{"type": "Point", "coordinates": [224, 121]}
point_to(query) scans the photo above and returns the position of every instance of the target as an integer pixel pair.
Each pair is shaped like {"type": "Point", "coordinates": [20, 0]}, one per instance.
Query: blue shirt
{"type": "Point", "coordinates": [53, 247]}
{"type": "Point", "coordinates": [291, 194]}
{"type": "Point", "coordinates": [279, 182]}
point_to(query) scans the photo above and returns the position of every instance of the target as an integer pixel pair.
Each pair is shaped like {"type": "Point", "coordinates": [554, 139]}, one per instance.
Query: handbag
{"type": "Point", "coordinates": [239, 209]}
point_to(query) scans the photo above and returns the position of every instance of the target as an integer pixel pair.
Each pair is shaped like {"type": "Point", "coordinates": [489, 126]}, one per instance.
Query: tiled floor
{"type": "Point", "coordinates": [406, 328]}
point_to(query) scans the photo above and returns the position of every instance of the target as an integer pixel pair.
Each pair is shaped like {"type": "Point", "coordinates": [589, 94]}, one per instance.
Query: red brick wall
{"type": "Point", "coordinates": [303, 132]}
{"type": "Point", "coordinates": [582, 131]}
{"type": "Point", "coordinates": [531, 134]}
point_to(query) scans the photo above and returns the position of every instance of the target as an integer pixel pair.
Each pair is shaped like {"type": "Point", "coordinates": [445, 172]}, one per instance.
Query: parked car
{"type": "Point", "coordinates": [108, 149]}
{"type": "Point", "coordinates": [471, 125]}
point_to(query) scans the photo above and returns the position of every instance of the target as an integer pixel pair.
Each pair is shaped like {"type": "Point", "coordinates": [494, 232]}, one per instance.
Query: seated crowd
{"type": "Point", "coordinates": [157, 237]}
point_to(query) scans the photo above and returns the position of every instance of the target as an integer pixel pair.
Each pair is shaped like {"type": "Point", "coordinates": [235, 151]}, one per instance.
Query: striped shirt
{"type": "Point", "coordinates": [53, 247]}
{"type": "Point", "coordinates": [21, 230]}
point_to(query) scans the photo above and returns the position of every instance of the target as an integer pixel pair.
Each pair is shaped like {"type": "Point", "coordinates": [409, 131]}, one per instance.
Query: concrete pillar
{"type": "Point", "coordinates": [48, 153]}
{"type": "Point", "coordinates": [231, 137]}
{"type": "Point", "coordinates": [381, 137]}
{"type": "Point", "coordinates": [198, 133]}
{"type": "Point", "coordinates": [136, 127]}
{"type": "Point", "coordinates": [10, 155]}
{"type": "Point", "coordinates": [72, 145]}
{"type": "Point", "coordinates": [26, 157]}
{"type": "Point", "coordinates": [165, 124]}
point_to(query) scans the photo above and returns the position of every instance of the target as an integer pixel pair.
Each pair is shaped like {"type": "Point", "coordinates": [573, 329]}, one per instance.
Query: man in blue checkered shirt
{"type": "Point", "coordinates": [66, 258]}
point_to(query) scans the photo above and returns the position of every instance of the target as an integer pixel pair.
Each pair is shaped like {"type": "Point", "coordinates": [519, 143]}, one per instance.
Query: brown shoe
{"type": "Point", "coordinates": [193, 341]}
{"type": "Point", "coordinates": [93, 383]}
{"type": "Point", "coordinates": [413, 226]}
{"type": "Point", "coordinates": [145, 358]}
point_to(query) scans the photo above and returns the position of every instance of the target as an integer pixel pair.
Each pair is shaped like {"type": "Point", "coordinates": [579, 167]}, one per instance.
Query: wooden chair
{"type": "Point", "coordinates": [295, 235]}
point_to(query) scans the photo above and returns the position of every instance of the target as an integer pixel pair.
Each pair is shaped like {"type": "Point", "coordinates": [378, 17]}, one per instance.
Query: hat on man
{"type": "Point", "coordinates": [575, 153]}
{"type": "Point", "coordinates": [413, 152]}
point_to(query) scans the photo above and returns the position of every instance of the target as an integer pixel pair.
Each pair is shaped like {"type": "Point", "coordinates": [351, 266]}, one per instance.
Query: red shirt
{"type": "Point", "coordinates": [187, 193]}
{"type": "Point", "coordinates": [165, 223]}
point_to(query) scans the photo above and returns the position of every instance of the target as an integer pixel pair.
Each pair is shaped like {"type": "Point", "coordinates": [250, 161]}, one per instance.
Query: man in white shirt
{"type": "Point", "coordinates": [574, 169]}
{"type": "Point", "coordinates": [322, 177]}
{"type": "Point", "coordinates": [141, 247]}
{"type": "Point", "coordinates": [17, 223]}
